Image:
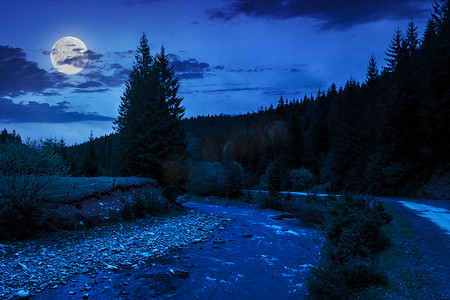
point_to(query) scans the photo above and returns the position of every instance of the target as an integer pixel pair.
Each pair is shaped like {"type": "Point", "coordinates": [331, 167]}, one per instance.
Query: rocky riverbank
{"type": "Point", "coordinates": [52, 260]}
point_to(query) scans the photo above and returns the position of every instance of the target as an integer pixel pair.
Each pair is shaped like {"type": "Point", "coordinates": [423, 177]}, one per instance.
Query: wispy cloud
{"type": "Point", "coordinates": [18, 75]}
{"type": "Point", "coordinates": [189, 68]}
{"type": "Point", "coordinates": [332, 14]}
{"type": "Point", "coordinates": [35, 112]}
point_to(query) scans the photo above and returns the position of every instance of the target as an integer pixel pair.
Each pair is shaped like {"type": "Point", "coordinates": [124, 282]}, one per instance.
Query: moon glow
{"type": "Point", "coordinates": [69, 55]}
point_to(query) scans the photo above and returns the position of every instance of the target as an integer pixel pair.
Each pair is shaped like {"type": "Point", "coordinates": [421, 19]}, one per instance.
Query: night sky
{"type": "Point", "coordinates": [231, 56]}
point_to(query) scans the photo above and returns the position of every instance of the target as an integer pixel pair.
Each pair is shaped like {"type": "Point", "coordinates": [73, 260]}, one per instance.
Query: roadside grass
{"type": "Point", "coordinates": [404, 281]}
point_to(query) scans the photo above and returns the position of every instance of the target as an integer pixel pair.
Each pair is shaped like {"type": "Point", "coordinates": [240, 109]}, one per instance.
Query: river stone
{"type": "Point", "coordinates": [111, 267]}
{"type": "Point", "coordinates": [22, 294]}
{"type": "Point", "coordinates": [179, 273]}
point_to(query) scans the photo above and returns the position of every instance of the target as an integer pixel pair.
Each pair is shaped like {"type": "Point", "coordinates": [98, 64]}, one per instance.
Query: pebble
{"type": "Point", "coordinates": [63, 255]}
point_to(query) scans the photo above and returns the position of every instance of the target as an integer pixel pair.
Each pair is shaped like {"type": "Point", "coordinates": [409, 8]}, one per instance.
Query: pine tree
{"type": "Point", "coordinates": [173, 158]}
{"type": "Point", "coordinates": [411, 39]}
{"type": "Point", "coordinates": [395, 51]}
{"type": "Point", "coordinates": [149, 121]}
{"type": "Point", "coordinates": [135, 113]}
{"type": "Point", "coordinates": [372, 70]}
{"type": "Point", "coordinates": [90, 164]}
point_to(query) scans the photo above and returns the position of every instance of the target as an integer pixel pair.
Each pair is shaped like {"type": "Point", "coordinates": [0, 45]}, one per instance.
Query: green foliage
{"type": "Point", "coordinates": [90, 164]}
{"type": "Point", "coordinates": [353, 239]}
{"type": "Point", "coordinates": [216, 179]}
{"type": "Point", "coordinates": [148, 200]}
{"type": "Point", "coordinates": [301, 179]}
{"type": "Point", "coordinates": [311, 210]}
{"type": "Point", "coordinates": [28, 173]}
{"type": "Point", "coordinates": [149, 122]}
{"type": "Point", "coordinates": [387, 135]}
{"type": "Point", "coordinates": [9, 137]}
{"type": "Point", "coordinates": [340, 281]}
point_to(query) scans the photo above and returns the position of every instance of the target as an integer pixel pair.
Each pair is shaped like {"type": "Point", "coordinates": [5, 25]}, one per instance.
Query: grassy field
{"type": "Point", "coordinates": [70, 188]}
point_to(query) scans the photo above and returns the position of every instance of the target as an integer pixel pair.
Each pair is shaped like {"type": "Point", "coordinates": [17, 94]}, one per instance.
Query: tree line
{"type": "Point", "coordinates": [386, 135]}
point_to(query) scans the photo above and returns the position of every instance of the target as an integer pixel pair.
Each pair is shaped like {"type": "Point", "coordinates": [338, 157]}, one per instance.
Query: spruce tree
{"type": "Point", "coordinates": [90, 164]}
{"type": "Point", "coordinates": [372, 70]}
{"type": "Point", "coordinates": [411, 39]}
{"type": "Point", "coordinates": [149, 122]}
{"type": "Point", "coordinates": [395, 51]}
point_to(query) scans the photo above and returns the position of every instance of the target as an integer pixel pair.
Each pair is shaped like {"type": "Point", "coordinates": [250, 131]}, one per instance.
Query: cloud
{"type": "Point", "coordinates": [189, 68]}
{"type": "Point", "coordinates": [124, 54]}
{"type": "Point", "coordinates": [89, 84]}
{"type": "Point", "coordinates": [100, 73]}
{"type": "Point", "coordinates": [76, 61]}
{"type": "Point", "coordinates": [191, 75]}
{"type": "Point", "coordinates": [93, 55]}
{"type": "Point", "coordinates": [81, 91]}
{"type": "Point", "coordinates": [35, 112]}
{"type": "Point", "coordinates": [246, 70]}
{"type": "Point", "coordinates": [108, 77]}
{"type": "Point", "coordinates": [331, 13]}
{"type": "Point", "coordinates": [18, 75]}
{"type": "Point", "coordinates": [227, 90]}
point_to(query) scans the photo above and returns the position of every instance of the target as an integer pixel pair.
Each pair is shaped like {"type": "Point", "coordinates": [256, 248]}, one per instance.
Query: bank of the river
{"type": "Point", "coordinates": [256, 255]}
{"type": "Point", "coordinates": [51, 261]}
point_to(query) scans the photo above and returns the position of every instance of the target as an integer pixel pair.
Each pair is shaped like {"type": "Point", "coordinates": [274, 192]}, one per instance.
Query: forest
{"type": "Point", "coordinates": [386, 135]}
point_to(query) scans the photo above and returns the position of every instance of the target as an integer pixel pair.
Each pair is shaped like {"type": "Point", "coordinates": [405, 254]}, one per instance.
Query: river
{"type": "Point", "coordinates": [253, 257]}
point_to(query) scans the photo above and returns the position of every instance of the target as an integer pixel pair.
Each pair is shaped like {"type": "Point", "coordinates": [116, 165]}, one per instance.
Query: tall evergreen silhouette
{"type": "Point", "coordinates": [149, 122]}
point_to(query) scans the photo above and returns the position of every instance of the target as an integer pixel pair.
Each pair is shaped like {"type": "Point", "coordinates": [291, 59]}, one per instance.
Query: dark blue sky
{"type": "Point", "coordinates": [231, 56]}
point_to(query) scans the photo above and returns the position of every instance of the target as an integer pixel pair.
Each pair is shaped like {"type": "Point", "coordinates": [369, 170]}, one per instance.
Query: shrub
{"type": "Point", "coordinates": [148, 200]}
{"type": "Point", "coordinates": [127, 211]}
{"type": "Point", "coordinates": [92, 221]}
{"type": "Point", "coordinates": [215, 178]}
{"type": "Point", "coordinates": [28, 173]}
{"type": "Point", "coordinates": [311, 210]}
{"type": "Point", "coordinates": [353, 238]}
{"type": "Point", "coordinates": [301, 179]}
{"type": "Point", "coordinates": [333, 280]}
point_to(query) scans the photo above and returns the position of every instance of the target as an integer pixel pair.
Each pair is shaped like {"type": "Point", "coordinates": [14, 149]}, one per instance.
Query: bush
{"type": "Point", "coordinates": [301, 179]}
{"type": "Point", "coordinates": [311, 210]}
{"type": "Point", "coordinates": [353, 238]}
{"type": "Point", "coordinates": [28, 174]}
{"type": "Point", "coordinates": [148, 200]}
{"type": "Point", "coordinates": [340, 281]}
{"type": "Point", "coordinates": [215, 178]}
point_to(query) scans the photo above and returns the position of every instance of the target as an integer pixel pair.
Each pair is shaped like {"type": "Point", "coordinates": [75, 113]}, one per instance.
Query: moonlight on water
{"type": "Point", "coordinates": [69, 55]}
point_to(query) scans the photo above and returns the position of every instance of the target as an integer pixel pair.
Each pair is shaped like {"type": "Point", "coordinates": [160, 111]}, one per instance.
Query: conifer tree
{"type": "Point", "coordinates": [395, 51]}
{"type": "Point", "coordinates": [372, 70]}
{"type": "Point", "coordinates": [149, 122]}
{"type": "Point", "coordinates": [90, 164]}
{"type": "Point", "coordinates": [411, 39]}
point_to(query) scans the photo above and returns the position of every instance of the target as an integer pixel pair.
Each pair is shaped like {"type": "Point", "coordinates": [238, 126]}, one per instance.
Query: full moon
{"type": "Point", "coordinates": [69, 55]}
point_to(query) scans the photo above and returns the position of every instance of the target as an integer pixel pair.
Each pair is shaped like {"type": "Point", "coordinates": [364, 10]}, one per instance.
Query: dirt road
{"type": "Point", "coordinates": [429, 220]}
